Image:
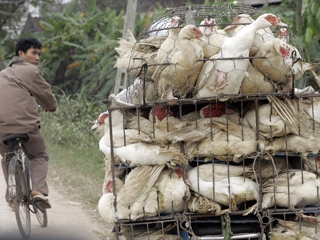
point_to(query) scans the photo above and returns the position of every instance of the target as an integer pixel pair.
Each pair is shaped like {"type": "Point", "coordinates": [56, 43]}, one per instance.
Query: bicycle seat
{"type": "Point", "coordinates": [20, 137]}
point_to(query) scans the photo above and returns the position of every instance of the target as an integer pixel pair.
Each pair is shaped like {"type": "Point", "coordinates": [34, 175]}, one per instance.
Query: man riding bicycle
{"type": "Point", "coordinates": [22, 89]}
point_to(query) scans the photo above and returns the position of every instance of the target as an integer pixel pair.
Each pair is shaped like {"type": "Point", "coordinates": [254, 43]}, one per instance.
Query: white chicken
{"type": "Point", "coordinates": [289, 124]}
{"type": "Point", "coordinates": [225, 73]}
{"type": "Point", "coordinates": [300, 66]}
{"type": "Point", "coordinates": [283, 34]}
{"type": "Point", "coordinates": [140, 123]}
{"type": "Point", "coordinates": [153, 126]}
{"type": "Point", "coordinates": [295, 144]}
{"type": "Point", "coordinates": [270, 124]}
{"type": "Point", "coordinates": [199, 129]}
{"type": "Point", "coordinates": [292, 188]}
{"type": "Point", "coordinates": [226, 137]}
{"type": "Point", "coordinates": [170, 41]}
{"type": "Point", "coordinates": [133, 54]}
{"type": "Point", "coordinates": [295, 113]}
{"type": "Point", "coordinates": [214, 37]}
{"type": "Point", "coordinates": [312, 107]}
{"type": "Point", "coordinates": [255, 82]}
{"type": "Point", "coordinates": [274, 60]}
{"type": "Point", "coordinates": [138, 196]}
{"type": "Point", "coordinates": [150, 191]}
{"type": "Point", "coordinates": [133, 147]}
{"type": "Point", "coordinates": [106, 206]}
{"type": "Point", "coordinates": [164, 122]}
{"type": "Point", "coordinates": [178, 72]}
{"type": "Point", "coordinates": [289, 230]}
{"type": "Point", "coordinates": [189, 117]}
{"type": "Point", "coordinates": [163, 118]}
{"type": "Point", "coordinates": [261, 35]}
{"type": "Point", "coordinates": [173, 190]}
{"type": "Point", "coordinates": [223, 183]}
{"type": "Point", "coordinates": [218, 132]}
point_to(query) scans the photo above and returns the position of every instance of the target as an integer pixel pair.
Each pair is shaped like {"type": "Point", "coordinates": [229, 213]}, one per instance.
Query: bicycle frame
{"type": "Point", "coordinates": [25, 162]}
{"type": "Point", "coordinates": [20, 186]}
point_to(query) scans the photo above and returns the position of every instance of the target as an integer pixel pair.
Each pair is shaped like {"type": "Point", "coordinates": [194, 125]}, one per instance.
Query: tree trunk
{"type": "Point", "coordinates": [299, 16]}
{"type": "Point", "coordinates": [2, 65]}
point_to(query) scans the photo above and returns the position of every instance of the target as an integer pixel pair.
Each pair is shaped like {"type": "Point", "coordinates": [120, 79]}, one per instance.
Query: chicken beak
{"type": "Point", "coordinates": [187, 181]}
{"type": "Point", "coordinates": [229, 111]}
{"type": "Point", "coordinates": [230, 27]}
{"type": "Point", "coordinates": [281, 24]}
{"type": "Point", "coordinates": [204, 39]}
{"type": "Point", "coordinates": [233, 25]}
{"type": "Point", "coordinates": [96, 124]}
{"type": "Point", "coordinates": [288, 61]}
{"type": "Point", "coordinates": [176, 21]}
{"type": "Point", "coordinates": [170, 113]}
{"type": "Point", "coordinates": [198, 34]}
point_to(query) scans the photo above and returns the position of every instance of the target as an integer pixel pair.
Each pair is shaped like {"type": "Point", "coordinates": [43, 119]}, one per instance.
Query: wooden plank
{"type": "Point", "coordinates": [130, 18]}
{"type": "Point", "coordinates": [258, 2]}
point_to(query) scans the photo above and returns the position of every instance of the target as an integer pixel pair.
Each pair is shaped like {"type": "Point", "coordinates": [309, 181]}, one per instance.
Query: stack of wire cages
{"type": "Point", "coordinates": [217, 134]}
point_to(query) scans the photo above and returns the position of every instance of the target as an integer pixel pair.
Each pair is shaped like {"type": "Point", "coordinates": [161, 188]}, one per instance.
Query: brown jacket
{"type": "Point", "coordinates": [22, 89]}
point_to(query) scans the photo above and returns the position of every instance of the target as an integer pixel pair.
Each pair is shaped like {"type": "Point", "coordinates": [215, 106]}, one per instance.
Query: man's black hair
{"type": "Point", "coordinates": [25, 43]}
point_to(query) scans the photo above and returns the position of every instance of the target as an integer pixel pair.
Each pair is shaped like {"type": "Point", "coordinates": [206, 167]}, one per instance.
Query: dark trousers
{"type": "Point", "coordinates": [35, 150]}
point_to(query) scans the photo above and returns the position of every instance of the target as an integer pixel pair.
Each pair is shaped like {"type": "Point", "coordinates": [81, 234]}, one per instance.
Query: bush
{"type": "Point", "coordinates": [76, 163]}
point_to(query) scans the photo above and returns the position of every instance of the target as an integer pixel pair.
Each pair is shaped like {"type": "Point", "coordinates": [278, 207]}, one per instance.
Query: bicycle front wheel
{"type": "Point", "coordinates": [19, 193]}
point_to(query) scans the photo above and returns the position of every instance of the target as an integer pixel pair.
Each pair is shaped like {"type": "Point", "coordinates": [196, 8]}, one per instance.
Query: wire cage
{"type": "Point", "coordinates": [242, 164]}
{"type": "Point", "coordinates": [162, 60]}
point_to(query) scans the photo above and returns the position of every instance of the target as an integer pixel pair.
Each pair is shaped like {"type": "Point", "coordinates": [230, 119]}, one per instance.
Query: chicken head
{"type": "Point", "coordinates": [100, 120]}
{"type": "Point", "coordinates": [207, 25]}
{"type": "Point", "coordinates": [273, 20]}
{"type": "Point", "coordinates": [109, 187]}
{"type": "Point", "coordinates": [215, 110]}
{"type": "Point", "coordinates": [285, 53]}
{"type": "Point", "coordinates": [284, 34]}
{"type": "Point", "coordinates": [182, 174]}
{"type": "Point", "coordinates": [162, 112]}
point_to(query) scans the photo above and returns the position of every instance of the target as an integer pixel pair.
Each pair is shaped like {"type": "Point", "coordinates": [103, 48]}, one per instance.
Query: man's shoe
{"type": "Point", "coordinates": [35, 192]}
{"type": "Point", "coordinates": [41, 199]}
{"type": "Point", "coordinates": [11, 205]}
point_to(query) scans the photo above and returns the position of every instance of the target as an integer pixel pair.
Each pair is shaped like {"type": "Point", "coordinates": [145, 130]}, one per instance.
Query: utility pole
{"type": "Point", "coordinates": [130, 18]}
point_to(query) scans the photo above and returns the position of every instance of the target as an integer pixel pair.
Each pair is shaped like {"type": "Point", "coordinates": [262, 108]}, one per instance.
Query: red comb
{"type": "Point", "coordinates": [284, 51]}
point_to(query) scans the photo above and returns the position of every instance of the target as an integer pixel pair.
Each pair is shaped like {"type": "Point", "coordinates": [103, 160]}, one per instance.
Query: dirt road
{"type": "Point", "coordinates": [66, 221]}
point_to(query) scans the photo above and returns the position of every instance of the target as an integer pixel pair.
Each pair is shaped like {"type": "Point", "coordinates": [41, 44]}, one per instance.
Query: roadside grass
{"type": "Point", "coordinates": [76, 164]}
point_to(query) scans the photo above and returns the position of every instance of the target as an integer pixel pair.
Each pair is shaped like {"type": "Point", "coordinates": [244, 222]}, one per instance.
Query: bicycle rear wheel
{"type": "Point", "coordinates": [19, 193]}
{"type": "Point", "coordinates": [41, 215]}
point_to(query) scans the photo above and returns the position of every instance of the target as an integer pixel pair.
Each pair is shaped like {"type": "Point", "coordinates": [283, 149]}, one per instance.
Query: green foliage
{"type": "Point", "coordinates": [79, 49]}
{"type": "Point", "coordinates": [76, 163]}
{"type": "Point", "coordinates": [310, 28]}
{"type": "Point", "coordinates": [6, 51]}
{"type": "Point", "coordinates": [13, 13]}
{"type": "Point", "coordinates": [10, 16]}
{"type": "Point", "coordinates": [70, 125]}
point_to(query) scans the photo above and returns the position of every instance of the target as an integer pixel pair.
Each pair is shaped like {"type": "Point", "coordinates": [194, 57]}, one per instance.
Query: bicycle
{"type": "Point", "coordinates": [20, 186]}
